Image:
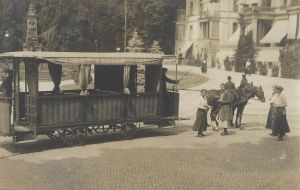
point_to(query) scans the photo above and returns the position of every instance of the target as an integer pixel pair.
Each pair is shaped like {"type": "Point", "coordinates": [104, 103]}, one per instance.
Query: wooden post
{"type": "Point", "coordinates": [16, 91]}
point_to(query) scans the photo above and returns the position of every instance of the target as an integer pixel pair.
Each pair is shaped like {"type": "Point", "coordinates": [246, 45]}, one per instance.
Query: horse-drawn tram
{"type": "Point", "coordinates": [114, 104]}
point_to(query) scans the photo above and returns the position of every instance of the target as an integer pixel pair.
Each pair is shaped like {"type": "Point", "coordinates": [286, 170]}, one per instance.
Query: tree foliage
{"type": "Point", "coordinates": [245, 49]}
{"type": "Point", "coordinates": [12, 20]}
{"type": "Point", "coordinates": [80, 24]}
{"type": "Point", "coordinates": [155, 48]}
{"type": "Point", "coordinates": [135, 44]}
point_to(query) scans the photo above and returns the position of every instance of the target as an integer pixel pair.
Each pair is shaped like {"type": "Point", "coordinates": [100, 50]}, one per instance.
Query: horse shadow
{"type": "Point", "coordinates": [252, 126]}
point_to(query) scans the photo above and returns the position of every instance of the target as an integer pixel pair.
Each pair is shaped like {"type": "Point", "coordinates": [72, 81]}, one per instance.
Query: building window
{"type": "Point", "coordinates": [180, 32]}
{"type": "Point", "coordinates": [191, 8]}
{"type": "Point", "coordinates": [204, 26]}
{"type": "Point", "coordinates": [214, 30]}
{"type": "Point", "coordinates": [284, 2]}
{"type": "Point", "coordinates": [191, 33]}
{"type": "Point", "coordinates": [200, 7]}
{"type": "Point", "coordinates": [234, 27]}
{"type": "Point", "coordinates": [266, 3]}
{"type": "Point", "coordinates": [235, 6]}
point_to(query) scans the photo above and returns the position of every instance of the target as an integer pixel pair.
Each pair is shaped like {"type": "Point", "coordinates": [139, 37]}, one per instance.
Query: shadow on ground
{"type": "Point", "coordinates": [43, 143]}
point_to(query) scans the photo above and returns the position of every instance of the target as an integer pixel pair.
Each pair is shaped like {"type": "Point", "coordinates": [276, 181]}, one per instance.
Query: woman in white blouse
{"type": "Point", "coordinates": [200, 124]}
{"type": "Point", "coordinates": [277, 115]}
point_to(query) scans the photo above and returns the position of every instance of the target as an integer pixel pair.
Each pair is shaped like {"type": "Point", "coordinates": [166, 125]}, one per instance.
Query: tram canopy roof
{"type": "Point", "coordinates": [88, 58]}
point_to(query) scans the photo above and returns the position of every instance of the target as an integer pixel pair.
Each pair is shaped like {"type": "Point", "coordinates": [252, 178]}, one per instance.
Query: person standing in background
{"type": "Point", "coordinates": [229, 85]}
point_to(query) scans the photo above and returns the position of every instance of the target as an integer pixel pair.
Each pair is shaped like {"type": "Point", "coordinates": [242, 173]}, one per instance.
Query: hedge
{"type": "Point", "coordinates": [228, 64]}
{"type": "Point", "coordinates": [290, 62]}
{"type": "Point", "coordinates": [262, 68]}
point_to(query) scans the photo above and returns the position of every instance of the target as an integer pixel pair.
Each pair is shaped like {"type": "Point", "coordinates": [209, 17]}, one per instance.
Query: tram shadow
{"type": "Point", "coordinates": [142, 132]}
{"type": "Point", "coordinates": [43, 143]}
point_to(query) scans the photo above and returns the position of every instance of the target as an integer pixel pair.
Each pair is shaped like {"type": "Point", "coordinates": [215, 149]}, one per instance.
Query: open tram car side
{"type": "Point", "coordinates": [71, 116]}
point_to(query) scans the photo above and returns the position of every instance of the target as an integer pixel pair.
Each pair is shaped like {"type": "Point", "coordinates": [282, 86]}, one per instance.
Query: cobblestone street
{"type": "Point", "coordinates": [170, 158]}
{"type": "Point", "coordinates": [167, 158]}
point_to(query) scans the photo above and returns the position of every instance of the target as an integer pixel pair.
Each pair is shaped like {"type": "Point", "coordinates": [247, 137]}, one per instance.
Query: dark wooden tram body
{"type": "Point", "coordinates": [106, 107]}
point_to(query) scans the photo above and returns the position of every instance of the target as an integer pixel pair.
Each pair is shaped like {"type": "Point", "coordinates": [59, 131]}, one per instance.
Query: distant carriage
{"type": "Point", "coordinates": [113, 105]}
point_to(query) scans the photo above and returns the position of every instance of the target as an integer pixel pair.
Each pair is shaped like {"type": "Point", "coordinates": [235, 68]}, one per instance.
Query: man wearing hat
{"type": "Point", "coordinates": [244, 81]}
{"type": "Point", "coordinates": [278, 124]}
{"type": "Point", "coordinates": [229, 85]}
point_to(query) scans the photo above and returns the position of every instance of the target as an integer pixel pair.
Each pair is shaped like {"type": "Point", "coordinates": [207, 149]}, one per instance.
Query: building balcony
{"type": "Point", "coordinates": [259, 12]}
{"type": "Point", "coordinates": [181, 14]}
{"type": "Point", "coordinates": [255, 9]}
{"type": "Point", "coordinates": [208, 14]}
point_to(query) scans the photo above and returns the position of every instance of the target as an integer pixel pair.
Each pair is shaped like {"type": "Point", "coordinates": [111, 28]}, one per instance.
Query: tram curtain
{"type": "Point", "coordinates": [84, 78]}
{"type": "Point", "coordinates": [55, 72]}
{"type": "Point", "coordinates": [126, 79]}
{"type": "Point", "coordinates": [32, 78]}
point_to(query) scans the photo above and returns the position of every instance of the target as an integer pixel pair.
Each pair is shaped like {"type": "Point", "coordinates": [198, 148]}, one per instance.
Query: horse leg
{"type": "Point", "coordinates": [241, 114]}
{"type": "Point", "coordinates": [238, 114]}
{"type": "Point", "coordinates": [237, 117]}
{"type": "Point", "coordinates": [213, 118]}
{"type": "Point", "coordinates": [231, 122]}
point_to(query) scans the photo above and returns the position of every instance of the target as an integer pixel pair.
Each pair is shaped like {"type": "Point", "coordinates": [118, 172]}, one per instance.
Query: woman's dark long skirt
{"type": "Point", "coordinates": [201, 121]}
{"type": "Point", "coordinates": [280, 125]}
{"type": "Point", "coordinates": [271, 118]}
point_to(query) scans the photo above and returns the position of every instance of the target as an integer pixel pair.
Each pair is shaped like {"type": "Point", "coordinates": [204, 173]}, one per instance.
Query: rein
{"type": "Point", "coordinates": [185, 74]}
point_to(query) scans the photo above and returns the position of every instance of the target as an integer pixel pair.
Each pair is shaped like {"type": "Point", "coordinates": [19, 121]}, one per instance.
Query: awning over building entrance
{"type": "Point", "coordinates": [234, 39]}
{"type": "Point", "coordinates": [248, 2]}
{"type": "Point", "coordinates": [278, 31]}
{"type": "Point", "coordinates": [292, 27]}
{"type": "Point", "coordinates": [187, 47]}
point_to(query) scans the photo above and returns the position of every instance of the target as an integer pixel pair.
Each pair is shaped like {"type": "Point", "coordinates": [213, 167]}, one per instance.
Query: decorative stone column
{"type": "Point", "coordinates": [254, 30]}
{"type": "Point", "coordinates": [31, 43]}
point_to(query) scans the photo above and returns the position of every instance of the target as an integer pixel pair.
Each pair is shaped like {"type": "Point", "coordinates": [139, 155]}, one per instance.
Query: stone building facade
{"type": "Point", "coordinates": [213, 26]}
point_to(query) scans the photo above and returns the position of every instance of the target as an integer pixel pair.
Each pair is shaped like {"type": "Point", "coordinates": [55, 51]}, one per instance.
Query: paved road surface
{"type": "Point", "coordinates": [169, 158]}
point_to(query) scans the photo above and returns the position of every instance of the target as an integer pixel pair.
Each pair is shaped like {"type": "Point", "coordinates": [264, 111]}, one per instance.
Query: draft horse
{"type": "Point", "coordinates": [240, 99]}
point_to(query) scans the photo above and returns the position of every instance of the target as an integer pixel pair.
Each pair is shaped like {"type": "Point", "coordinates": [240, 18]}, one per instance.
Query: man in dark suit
{"type": "Point", "coordinates": [229, 85]}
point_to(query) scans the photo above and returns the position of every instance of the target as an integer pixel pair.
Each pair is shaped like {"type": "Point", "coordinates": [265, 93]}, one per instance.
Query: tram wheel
{"type": "Point", "coordinates": [129, 130]}
{"type": "Point", "coordinates": [54, 135]}
{"type": "Point", "coordinates": [74, 136]}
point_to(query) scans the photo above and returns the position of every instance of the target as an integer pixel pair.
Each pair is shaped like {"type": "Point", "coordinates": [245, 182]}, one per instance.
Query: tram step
{"type": "Point", "coordinates": [25, 137]}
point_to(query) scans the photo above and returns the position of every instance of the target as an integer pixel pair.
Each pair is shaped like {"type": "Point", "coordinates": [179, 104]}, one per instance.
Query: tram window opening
{"type": "Point", "coordinates": [109, 78]}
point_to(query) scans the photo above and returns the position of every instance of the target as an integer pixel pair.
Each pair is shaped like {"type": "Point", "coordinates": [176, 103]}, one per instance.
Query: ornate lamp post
{"type": "Point", "coordinates": [125, 24]}
{"type": "Point", "coordinates": [180, 58]}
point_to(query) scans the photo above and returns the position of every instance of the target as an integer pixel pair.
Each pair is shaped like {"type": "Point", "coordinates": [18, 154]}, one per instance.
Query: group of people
{"type": "Point", "coordinates": [276, 121]}
{"type": "Point", "coordinates": [225, 114]}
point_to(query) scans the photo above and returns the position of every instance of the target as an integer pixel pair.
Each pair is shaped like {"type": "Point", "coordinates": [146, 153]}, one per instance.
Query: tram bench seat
{"type": "Point", "coordinates": [22, 129]}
